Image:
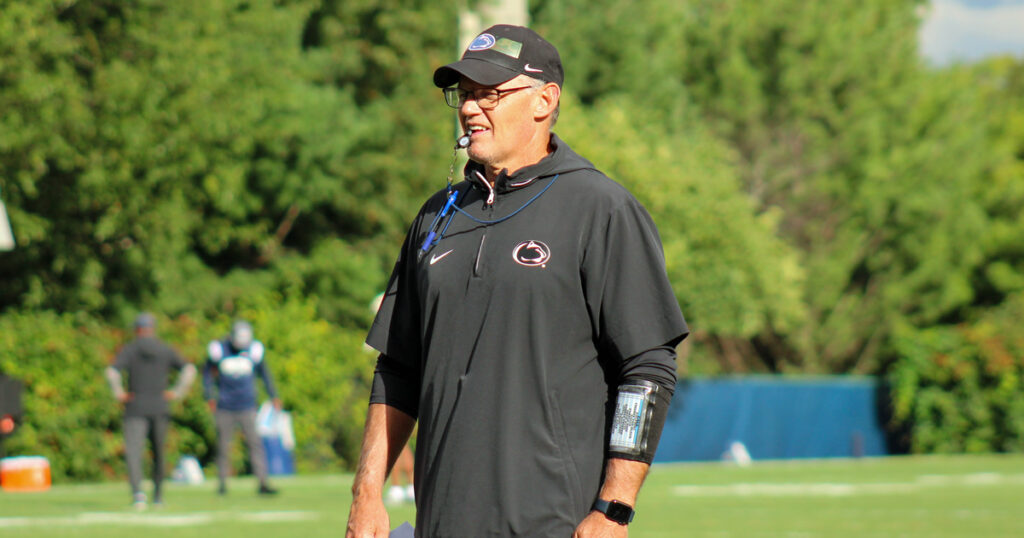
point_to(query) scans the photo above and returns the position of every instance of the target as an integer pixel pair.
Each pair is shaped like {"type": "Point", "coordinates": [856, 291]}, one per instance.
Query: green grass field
{"type": "Point", "coordinates": [976, 496]}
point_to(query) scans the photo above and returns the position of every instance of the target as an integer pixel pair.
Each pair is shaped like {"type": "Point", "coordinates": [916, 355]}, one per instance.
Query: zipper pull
{"type": "Point", "coordinates": [490, 189]}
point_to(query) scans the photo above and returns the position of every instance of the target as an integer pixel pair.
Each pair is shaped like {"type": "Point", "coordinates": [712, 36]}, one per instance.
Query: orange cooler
{"type": "Point", "coordinates": [25, 473]}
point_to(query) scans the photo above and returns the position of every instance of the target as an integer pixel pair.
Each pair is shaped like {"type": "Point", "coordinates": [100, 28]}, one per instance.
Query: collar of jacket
{"type": "Point", "coordinates": [523, 177]}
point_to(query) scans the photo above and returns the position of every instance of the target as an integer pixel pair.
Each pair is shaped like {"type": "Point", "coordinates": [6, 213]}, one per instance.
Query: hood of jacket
{"type": "Point", "coordinates": [561, 160]}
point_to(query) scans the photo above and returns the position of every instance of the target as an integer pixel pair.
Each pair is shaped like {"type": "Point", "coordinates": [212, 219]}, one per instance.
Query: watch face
{"type": "Point", "coordinates": [619, 512]}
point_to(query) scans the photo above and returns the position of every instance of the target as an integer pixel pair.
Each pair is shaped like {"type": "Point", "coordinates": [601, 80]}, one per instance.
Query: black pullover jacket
{"type": "Point", "coordinates": [506, 340]}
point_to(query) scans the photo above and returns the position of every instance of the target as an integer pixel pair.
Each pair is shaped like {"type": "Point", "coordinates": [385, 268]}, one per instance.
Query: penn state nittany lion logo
{"type": "Point", "coordinates": [531, 253]}
{"type": "Point", "coordinates": [482, 42]}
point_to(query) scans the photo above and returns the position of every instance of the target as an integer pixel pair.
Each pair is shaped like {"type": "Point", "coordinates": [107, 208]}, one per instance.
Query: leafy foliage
{"type": "Point", "coordinates": [732, 274]}
{"type": "Point", "coordinates": [168, 144]}
{"type": "Point", "coordinates": [322, 373]}
{"type": "Point", "coordinates": [957, 389]}
{"type": "Point", "coordinates": [828, 203]}
{"type": "Point", "coordinates": [60, 363]}
{"type": "Point", "coordinates": [869, 162]}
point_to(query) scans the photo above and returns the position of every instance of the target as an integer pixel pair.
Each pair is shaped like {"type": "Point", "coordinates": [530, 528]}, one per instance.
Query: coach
{"type": "Point", "coordinates": [148, 361]}
{"type": "Point", "coordinates": [528, 326]}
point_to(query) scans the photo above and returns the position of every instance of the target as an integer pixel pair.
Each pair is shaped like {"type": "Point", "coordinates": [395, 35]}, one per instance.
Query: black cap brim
{"type": "Point", "coordinates": [479, 71]}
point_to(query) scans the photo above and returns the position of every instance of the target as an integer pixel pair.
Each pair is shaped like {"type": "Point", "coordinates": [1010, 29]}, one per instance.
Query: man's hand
{"type": "Point", "coordinates": [170, 396]}
{"type": "Point", "coordinates": [596, 525]}
{"type": "Point", "coordinates": [368, 519]}
{"type": "Point", "coordinates": [125, 397]}
{"type": "Point", "coordinates": [387, 430]}
{"type": "Point", "coordinates": [212, 404]}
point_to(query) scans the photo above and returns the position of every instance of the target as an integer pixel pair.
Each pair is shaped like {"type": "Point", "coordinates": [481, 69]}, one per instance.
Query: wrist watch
{"type": "Point", "coordinates": [616, 511]}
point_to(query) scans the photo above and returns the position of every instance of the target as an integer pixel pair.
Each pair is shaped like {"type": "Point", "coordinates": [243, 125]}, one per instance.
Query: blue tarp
{"type": "Point", "coordinates": [774, 417]}
{"type": "Point", "coordinates": [279, 458]}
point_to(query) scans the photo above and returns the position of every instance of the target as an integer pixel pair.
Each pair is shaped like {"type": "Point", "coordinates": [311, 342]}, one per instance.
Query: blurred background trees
{"type": "Point", "coordinates": [829, 203]}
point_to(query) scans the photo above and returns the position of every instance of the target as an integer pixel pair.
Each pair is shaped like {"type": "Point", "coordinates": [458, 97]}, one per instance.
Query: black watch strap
{"type": "Point", "coordinates": [616, 511]}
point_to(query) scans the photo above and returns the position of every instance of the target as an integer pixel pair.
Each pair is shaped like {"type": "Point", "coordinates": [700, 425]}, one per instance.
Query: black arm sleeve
{"type": "Point", "coordinates": [658, 366]}
{"type": "Point", "coordinates": [394, 387]}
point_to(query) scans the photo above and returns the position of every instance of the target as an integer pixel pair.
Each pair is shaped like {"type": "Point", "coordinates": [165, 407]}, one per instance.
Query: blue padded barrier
{"type": "Point", "coordinates": [774, 418]}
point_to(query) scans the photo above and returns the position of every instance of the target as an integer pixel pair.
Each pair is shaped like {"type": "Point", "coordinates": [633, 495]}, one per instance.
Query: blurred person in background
{"type": "Point", "coordinates": [229, 386]}
{"type": "Point", "coordinates": [148, 362]}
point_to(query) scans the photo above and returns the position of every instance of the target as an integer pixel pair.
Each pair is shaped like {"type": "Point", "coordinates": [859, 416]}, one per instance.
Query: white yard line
{"type": "Point", "coordinates": [843, 489]}
{"type": "Point", "coordinates": [115, 518]}
{"type": "Point", "coordinates": [154, 520]}
{"type": "Point", "coordinates": [277, 516]}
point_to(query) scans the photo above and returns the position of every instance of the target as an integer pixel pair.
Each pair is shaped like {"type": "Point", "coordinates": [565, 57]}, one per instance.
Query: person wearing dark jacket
{"type": "Point", "coordinates": [528, 326]}
{"type": "Point", "coordinates": [148, 362]}
{"type": "Point", "coordinates": [229, 385]}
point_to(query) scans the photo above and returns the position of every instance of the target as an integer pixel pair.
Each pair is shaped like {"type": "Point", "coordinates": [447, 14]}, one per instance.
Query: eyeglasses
{"type": "Point", "coordinates": [486, 98]}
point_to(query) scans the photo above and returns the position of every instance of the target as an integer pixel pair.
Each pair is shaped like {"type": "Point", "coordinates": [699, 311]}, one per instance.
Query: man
{"type": "Point", "coordinates": [231, 369]}
{"type": "Point", "coordinates": [528, 326]}
{"type": "Point", "coordinates": [148, 362]}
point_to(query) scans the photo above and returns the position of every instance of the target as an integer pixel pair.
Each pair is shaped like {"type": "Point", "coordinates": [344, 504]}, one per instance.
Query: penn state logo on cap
{"type": "Point", "coordinates": [482, 42]}
{"type": "Point", "coordinates": [531, 253]}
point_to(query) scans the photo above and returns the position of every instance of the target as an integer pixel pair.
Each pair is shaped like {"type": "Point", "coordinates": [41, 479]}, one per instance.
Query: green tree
{"type": "Point", "coordinates": [154, 147]}
{"type": "Point", "coordinates": [1000, 84]}
{"type": "Point", "coordinates": [734, 278]}
{"type": "Point", "coordinates": [957, 388]}
{"type": "Point", "coordinates": [322, 372]}
{"type": "Point", "coordinates": [70, 415]}
{"type": "Point", "coordinates": [869, 160]}
{"type": "Point", "coordinates": [872, 158]}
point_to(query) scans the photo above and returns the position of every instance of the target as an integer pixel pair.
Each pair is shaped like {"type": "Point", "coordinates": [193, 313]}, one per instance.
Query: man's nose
{"type": "Point", "coordinates": [470, 107]}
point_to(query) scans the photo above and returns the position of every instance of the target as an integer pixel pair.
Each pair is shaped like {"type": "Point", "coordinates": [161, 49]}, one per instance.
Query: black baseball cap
{"type": "Point", "coordinates": [501, 53]}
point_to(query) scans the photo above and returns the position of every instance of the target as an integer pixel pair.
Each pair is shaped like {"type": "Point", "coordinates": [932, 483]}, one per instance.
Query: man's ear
{"type": "Point", "coordinates": [547, 101]}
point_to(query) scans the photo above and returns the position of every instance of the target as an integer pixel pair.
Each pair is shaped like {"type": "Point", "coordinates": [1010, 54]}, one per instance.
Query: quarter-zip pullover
{"type": "Point", "coordinates": [506, 338]}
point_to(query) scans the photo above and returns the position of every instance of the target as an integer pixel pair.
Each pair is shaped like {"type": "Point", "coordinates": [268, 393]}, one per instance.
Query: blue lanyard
{"type": "Point", "coordinates": [429, 241]}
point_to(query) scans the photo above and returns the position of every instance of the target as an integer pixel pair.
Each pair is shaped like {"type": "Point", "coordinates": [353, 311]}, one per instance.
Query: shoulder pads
{"type": "Point", "coordinates": [256, 351]}
{"type": "Point", "coordinates": [215, 350]}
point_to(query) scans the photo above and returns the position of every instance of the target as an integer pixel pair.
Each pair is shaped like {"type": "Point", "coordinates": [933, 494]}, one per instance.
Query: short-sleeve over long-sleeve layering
{"type": "Point", "coordinates": [504, 340]}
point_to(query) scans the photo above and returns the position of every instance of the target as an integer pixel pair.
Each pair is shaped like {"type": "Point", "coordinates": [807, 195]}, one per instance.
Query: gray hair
{"type": "Point", "coordinates": [538, 83]}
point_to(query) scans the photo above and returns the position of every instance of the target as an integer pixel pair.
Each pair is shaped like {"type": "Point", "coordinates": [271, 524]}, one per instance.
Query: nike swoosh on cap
{"type": "Point", "coordinates": [532, 69]}
{"type": "Point", "coordinates": [437, 257]}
